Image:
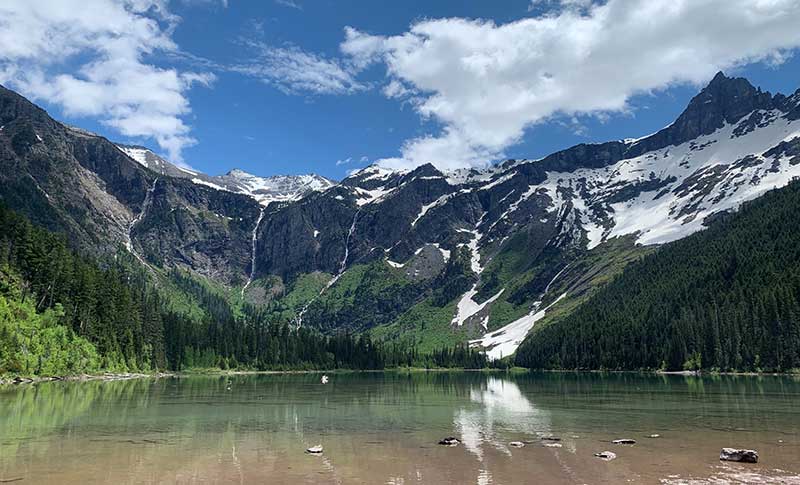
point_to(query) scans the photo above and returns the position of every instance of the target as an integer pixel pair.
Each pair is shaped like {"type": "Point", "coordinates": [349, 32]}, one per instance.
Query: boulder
{"type": "Point", "coordinates": [606, 455]}
{"type": "Point", "coordinates": [315, 450]}
{"type": "Point", "coordinates": [733, 454]}
{"type": "Point", "coordinates": [624, 441]}
{"type": "Point", "coordinates": [517, 444]}
{"type": "Point", "coordinates": [449, 441]}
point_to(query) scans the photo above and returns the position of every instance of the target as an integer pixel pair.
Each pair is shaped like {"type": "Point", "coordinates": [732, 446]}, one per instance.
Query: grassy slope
{"type": "Point", "coordinates": [424, 325]}
{"type": "Point", "coordinates": [428, 326]}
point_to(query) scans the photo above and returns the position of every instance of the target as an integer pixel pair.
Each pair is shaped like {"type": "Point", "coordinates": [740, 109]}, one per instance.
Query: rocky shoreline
{"type": "Point", "coordinates": [105, 376]}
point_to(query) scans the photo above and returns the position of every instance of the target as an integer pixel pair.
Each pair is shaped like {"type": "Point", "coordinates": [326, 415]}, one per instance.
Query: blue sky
{"type": "Point", "coordinates": [280, 87]}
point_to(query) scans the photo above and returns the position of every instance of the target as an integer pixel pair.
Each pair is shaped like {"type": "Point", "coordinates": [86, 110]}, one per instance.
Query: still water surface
{"type": "Point", "coordinates": [383, 428]}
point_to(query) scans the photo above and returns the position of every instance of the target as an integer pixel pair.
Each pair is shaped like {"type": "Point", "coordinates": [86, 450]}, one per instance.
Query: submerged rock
{"type": "Point", "coordinates": [517, 444]}
{"type": "Point", "coordinates": [449, 441]}
{"type": "Point", "coordinates": [733, 454]}
{"type": "Point", "coordinates": [606, 455]}
{"type": "Point", "coordinates": [550, 438]}
{"type": "Point", "coordinates": [314, 450]}
{"type": "Point", "coordinates": [654, 435]}
{"type": "Point", "coordinates": [624, 441]}
{"type": "Point", "coordinates": [552, 445]}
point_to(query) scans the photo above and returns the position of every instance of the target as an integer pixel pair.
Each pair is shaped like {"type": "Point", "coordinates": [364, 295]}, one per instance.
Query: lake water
{"type": "Point", "coordinates": [383, 428]}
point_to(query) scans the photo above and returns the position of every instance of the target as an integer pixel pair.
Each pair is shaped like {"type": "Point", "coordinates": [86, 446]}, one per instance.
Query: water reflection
{"type": "Point", "coordinates": [503, 412]}
{"type": "Point", "coordinates": [377, 427]}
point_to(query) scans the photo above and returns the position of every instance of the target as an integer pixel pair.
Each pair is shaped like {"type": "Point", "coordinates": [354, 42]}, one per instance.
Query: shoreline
{"type": "Point", "coordinates": [105, 376]}
{"type": "Point", "coordinates": [110, 376]}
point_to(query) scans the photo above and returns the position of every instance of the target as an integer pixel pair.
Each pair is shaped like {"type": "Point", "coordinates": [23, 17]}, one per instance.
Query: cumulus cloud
{"type": "Point", "coordinates": [486, 83]}
{"type": "Point", "coordinates": [92, 61]}
{"type": "Point", "coordinates": [295, 71]}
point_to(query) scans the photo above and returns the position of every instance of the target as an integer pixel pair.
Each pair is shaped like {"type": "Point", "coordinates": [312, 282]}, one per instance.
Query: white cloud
{"type": "Point", "coordinates": [92, 61]}
{"type": "Point", "coordinates": [344, 162]}
{"type": "Point", "coordinates": [295, 71]}
{"type": "Point", "coordinates": [396, 89]}
{"type": "Point", "coordinates": [566, 4]}
{"type": "Point", "coordinates": [487, 83]}
{"type": "Point", "coordinates": [290, 4]}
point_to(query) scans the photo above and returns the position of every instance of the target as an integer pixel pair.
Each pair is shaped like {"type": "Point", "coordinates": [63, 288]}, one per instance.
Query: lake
{"type": "Point", "coordinates": [384, 427]}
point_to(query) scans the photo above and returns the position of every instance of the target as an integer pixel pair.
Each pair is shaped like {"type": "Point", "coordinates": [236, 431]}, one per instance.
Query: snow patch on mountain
{"type": "Point", "coordinates": [674, 189]}
{"type": "Point", "coordinates": [505, 341]}
{"type": "Point", "coordinates": [468, 307]}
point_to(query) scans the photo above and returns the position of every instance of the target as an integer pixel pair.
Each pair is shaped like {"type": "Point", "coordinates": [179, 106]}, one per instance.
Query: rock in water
{"type": "Point", "coordinates": [550, 438]}
{"type": "Point", "coordinates": [517, 444]}
{"type": "Point", "coordinates": [552, 445]}
{"type": "Point", "coordinates": [324, 379]}
{"type": "Point", "coordinates": [315, 450]}
{"type": "Point", "coordinates": [449, 441]}
{"type": "Point", "coordinates": [606, 455]}
{"type": "Point", "coordinates": [654, 435]}
{"type": "Point", "coordinates": [732, 454]}
{"type": "Point", "coordinates": [624, 441]}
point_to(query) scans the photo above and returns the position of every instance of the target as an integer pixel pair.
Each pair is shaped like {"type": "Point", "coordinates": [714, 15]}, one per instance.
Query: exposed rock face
{"type": "Point", "coordinates": [75, 182]}
{"type": "Point", "coordinates": [733, 454]}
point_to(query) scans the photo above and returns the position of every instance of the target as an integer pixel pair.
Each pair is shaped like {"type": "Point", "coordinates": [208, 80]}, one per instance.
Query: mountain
{"type": "Point", "coordinates": [277, 188]}
{"type": "Point", "coordinates": [530, 231]}
{"type": "Point", "coordinates": [421, 256]}
{"type": "Point", "coordinates": [71, 181]}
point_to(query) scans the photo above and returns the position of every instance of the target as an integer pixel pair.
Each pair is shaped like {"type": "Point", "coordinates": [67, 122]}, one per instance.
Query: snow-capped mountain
{"type": "Point", "coordinates": [156, 163]}
{"type": "Point", "coordinates": [732, 144]}
{"type": "Point", "coordinates": [661, 187]}
{"type": "Point", "coordinates": [276, 188]}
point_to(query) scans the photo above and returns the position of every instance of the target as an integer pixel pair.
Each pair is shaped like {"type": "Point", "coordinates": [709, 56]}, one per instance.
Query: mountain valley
{"type": "Point", "coordinates": [424, 257]}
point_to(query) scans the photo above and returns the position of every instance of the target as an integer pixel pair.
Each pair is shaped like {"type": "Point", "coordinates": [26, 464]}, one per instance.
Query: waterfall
{"type": "Point", "coordinates": [145, 205]}
{"type": "Point", "coordinates": [253, 242]}
{"type": "Point", "coordinates": [342, 268]}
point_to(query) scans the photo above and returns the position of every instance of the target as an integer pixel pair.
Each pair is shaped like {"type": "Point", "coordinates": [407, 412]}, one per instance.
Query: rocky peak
{"type": "Point", "coordinates": [372, 177]}
{"type": "Point", "coordinates": [724, 100]}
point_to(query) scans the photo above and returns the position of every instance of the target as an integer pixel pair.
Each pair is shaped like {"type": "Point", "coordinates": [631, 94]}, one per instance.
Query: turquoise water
{"type": "Point", "coordinates": [383, 428]}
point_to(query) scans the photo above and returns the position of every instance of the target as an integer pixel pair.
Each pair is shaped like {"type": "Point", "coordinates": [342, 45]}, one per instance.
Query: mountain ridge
{"type": "Point", "coordinates": [273, 188]}
{"type": "Point", "coordinates": [479, 255]}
